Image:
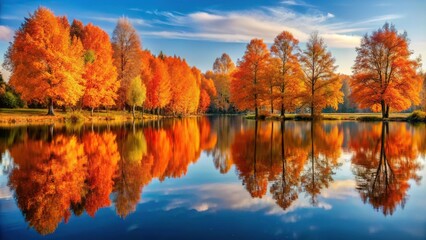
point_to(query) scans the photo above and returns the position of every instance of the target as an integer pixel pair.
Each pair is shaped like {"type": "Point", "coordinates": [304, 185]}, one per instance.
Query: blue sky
{"type": "Point", "coordinates": [200, 31]}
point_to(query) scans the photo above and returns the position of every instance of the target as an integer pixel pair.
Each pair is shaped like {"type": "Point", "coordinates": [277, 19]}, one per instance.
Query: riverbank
{"type": "Point", "coordinates": [416, 116]}
{"type": "Point", "coordinates": [25, 116]}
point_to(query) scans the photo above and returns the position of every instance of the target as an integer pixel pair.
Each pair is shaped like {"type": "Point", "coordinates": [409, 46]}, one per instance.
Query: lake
{"type": "Point", "coordinates": [214, 178]}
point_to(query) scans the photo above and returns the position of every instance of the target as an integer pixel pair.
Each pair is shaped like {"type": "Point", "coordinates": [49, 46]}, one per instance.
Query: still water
{"type": "Point", "coordinates": [214, 178]}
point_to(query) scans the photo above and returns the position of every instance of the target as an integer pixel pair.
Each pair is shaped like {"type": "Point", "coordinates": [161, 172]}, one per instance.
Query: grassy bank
{"type": "Point", "coordinates": [38, 116]}
{"type": "Point", "coordinates": [416, 116]}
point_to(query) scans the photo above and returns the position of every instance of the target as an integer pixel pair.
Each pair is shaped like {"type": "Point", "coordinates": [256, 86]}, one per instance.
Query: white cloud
{"type": "Point", "coordinates": [6, 33]}
{"type": "Point", "coordinates": [134, 21]}
{"type": "Point", "coordinates": [264, 22]}
{"type": "Point", "coordinates": [296, 3]}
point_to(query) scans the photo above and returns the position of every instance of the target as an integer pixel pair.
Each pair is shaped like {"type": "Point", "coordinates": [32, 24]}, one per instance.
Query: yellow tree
{"type": "Point", "coordinates": [423, 95]}
{"type": "Point", "coordinates": [221, 76]}
{"type": "Point", "coordinates": [248, 83]}
{"type": "Point", "coordinates": [136, 94]}
{"type": "Point", "coordinates": [46, 63]}
{"type": "Point", "coordinates": [322, 84]}
{"type": "Point", "coordinates": [100, 73]}
{"type": "Point", "coordinates": [289, 72]}
{"type": "Point", "coordinates": [384, 75]}
{"type": "Point", "coordinates": [127, 56]}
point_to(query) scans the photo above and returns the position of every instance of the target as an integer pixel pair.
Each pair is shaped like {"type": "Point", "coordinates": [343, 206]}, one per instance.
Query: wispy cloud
{"type": "Point", "coordinates": [6, 33]}
{"type": "Point", "coordinates": [134, 21]}
{"type": "Point", "coordinates": [241, 26]}
{"type": "Point", "coordinates": [296, 3]}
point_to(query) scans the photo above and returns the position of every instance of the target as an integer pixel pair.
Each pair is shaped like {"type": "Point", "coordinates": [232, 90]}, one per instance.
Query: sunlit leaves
{"type": "Point", "coordinates": [385, 77]}
{"type": "Point", "coordinates": [46, 62]}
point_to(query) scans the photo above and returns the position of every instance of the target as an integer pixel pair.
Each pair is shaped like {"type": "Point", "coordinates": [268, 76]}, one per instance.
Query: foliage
{"type": "Point", "coordinates": [385, 77]}
{"type": "Point", "coordinates": [249, 79]}
{"type": "Point", "coordinates": [417, 116]}
{"type": "Point", "coordinates": [322, 84]}
{"type": "Point", "coordinates": [136, 92]}
{"type": "Point", "coordinates": [46, 65]}
{"type": "Point", "coordinates": [100, 73]}
{"type": "Point", "coordinates": [127, 56]}
{"type": "Point", "coordinates": [287, 71]}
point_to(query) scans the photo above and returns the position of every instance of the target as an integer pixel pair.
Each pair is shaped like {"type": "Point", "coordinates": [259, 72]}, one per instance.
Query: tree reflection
{"type": "Point", "coordinates": [286, 186]}
{"type": "Point", "coordinates": [132, 173]}
{"type": "Point", "coordinates": [324, 150]}
{"type": "Point", "coordinates": [50, 177]}
{"type": "Point", "coordinates": [60, 173]}
{"type": "Point", "coordinates": [384, 160]}
{"type": "Point", "coordinates": [261, 154]}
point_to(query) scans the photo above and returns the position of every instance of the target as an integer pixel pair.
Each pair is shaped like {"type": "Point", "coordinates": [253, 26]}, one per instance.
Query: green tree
{"type": "Point", "coordinates": [136, 93]}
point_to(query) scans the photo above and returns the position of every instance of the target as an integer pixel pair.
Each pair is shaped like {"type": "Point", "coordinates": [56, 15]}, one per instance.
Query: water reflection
{"type": "Point", "coordinates": [384, 160]}
{"type": "Point", "coordinates": [60, 172]}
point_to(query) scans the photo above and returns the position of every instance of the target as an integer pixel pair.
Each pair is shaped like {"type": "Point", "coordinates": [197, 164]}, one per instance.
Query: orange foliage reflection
{"type": "Point", "coordinates": [50, 177]}
{"type": "Point", "coordinates": [384, 160]}
{"type": "Point", "coordinates": [67, 173]}
{"type": "Point", "coordinates": [272, 153]}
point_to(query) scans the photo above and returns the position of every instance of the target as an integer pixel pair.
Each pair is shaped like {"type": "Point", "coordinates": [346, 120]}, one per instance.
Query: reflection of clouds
{"type": "Point", "coordinates": [6, 165]}
{"type": "Point", "coordinates": [224, 196]}
{"type": "Point", "coordinates": [5, 192]}
{"type": "Point", "coordinates": [341, 189]}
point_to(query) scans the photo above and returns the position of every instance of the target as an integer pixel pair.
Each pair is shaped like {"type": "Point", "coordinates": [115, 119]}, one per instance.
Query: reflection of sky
{"type": "Point", "coordinates": [206, 204]}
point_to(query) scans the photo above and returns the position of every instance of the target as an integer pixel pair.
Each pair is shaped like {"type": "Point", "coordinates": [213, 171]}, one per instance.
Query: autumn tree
{"type": "Point", "coordinates": [46, 63]}
{"type": "Point", "coordinates": [221, 76]}
{"type": "Point", "coordinates": [423, 94]}
{"type": "Point", "coordinates": [100, 73]}
{"type": "Point", "coordinates": [223, 64]}
{"type": "Point", "coordinates": [127, 56]}
{"type": "Point", "coordinates": [185, 87]}
{"type": "Point", "coordinates": [289, 72]}
{"type": "Point", "coordinates": [158, 85]}
{"type": "Point", "coordinates": [248, 83]}
{"type": "Point", "coordinates": [136, 94]}
{"type": "Point", "coordinates": [384, 76]}
{"type": "Point", "coordinates": [207, 92]}
{"type": "Point", "coordinates": [322, 84]}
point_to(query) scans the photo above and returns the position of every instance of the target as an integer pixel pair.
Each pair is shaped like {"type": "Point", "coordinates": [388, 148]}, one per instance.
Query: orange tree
{"type": "Point", "coordinates": [322, 84]}
{"type": "Point", "coordinates": [248, 83]}
{"type": "Point", "coordinates": [384, 75]}
{"type": "Point", "coordinates": [100, 73]}
{"type": "Point", "coordinates": [127, 56]}
{"type": "Point", "coordinates": [46, 63]}
{"type": "Point", "coordinates": [289, 71]}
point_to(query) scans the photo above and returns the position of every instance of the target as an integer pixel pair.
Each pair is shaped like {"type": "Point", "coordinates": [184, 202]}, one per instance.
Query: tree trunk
{"type": "Point", "coordinates": [133, 110]}
{"type": "Point", "coordinates": [382, 103]}
{"type": "Point", "coordinates": [142, 112]}
{"type": "Point", "coordinates": [312, 102]}
{"type": "Point", "coordinates": [387, 111]}
{"type": "Point", "coordinates": [91, 112]}
{"type": "Point", "coordinates": [272, 102]}
{"type": "Point", "coordinates": [50, 109]}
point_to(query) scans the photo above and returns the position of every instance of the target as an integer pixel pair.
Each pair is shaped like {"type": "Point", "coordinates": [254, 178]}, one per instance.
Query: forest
{"type": "Point", "coordinates": [55, 63]}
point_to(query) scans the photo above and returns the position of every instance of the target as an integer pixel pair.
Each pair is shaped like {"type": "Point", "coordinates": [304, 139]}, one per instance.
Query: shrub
{"type": "Point", "coordinates": [417, 116]}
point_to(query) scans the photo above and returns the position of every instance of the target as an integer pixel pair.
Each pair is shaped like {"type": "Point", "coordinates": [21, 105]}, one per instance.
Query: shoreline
{"type": "Point", "coordinates": [22, 117]}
